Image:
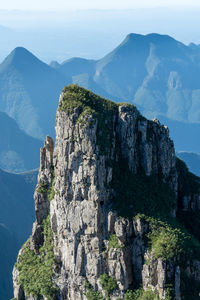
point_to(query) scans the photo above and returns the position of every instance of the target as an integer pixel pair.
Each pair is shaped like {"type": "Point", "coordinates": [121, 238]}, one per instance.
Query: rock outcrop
{"type": "Point", "coordinates": [110, 205]}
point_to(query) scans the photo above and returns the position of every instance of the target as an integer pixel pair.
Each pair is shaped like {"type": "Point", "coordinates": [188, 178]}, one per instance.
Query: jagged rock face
{"type": "Point", "coordinates": [80, 208]}
{"type": "Point", "coordinates": [89, 146]}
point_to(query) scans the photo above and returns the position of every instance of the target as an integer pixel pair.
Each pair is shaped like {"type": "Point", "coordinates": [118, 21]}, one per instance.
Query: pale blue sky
{"type": "Point", "coordinates": [49, 28]}
{"type": "Point", "coordinates": [92, 4]}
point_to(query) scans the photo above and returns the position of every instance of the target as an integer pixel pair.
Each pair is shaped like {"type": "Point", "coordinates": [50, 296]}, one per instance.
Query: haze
{"type": "Point", "coordinates": [92, 4]}
{"type": "Point", "coordinates": [58, 30]}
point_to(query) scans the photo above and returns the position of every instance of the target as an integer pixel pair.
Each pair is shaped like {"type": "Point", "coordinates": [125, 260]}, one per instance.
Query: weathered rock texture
{"type": "Point", "coordinates": [97, 144]}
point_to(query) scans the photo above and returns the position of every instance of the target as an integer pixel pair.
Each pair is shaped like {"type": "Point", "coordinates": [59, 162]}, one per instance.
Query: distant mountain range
{"type": "Point", "coordinates": [29, 91]}
{"type": "Point", "coordinates": [16, 217]}
{"type": "Point", "coordinates": [18, 151]}
{"type": "Point", "coordinates": [156, 72]}
{"type": "Point", "coordinates": [192, 160]}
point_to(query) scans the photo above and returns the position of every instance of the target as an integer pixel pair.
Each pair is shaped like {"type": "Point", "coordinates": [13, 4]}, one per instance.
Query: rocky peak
{"type": "Point", "coordinates": [108, 203]}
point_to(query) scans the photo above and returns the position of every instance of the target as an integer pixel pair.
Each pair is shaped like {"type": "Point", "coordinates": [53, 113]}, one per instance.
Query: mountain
{"type": "Point", "coordinates": [157, 73]}
{"type": "Point", "coordinates": [150, 70]}
{"type": "Point", "coordinates": [28, 89]}
{"type": "Point", "coordinates": [16, 217]}
{"type": "Point", "coordinates": [18, 151]}
{"type": "Point", "coordinates": [77, 65]}
{"type": "Point", "coordinates": [113, 209]}
{"type": "Point", "coordinates": [82, 71]}
{"type": "Point", "coordinates": [183, 133]}
{"type": "Point", "coordinates": [192, 160]}
{"type": "Point", "coordinates": [8, 252]}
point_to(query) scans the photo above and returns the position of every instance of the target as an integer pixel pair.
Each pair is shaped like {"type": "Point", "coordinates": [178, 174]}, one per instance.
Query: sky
{"type": "Point", "coordinates": [61, 29]}
{"type": "Point", "coordinates": [92, 4]}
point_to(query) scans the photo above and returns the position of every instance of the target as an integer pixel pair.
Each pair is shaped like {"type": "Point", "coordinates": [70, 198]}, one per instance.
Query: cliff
{"type": "Point", "coordinates": [116, 212]}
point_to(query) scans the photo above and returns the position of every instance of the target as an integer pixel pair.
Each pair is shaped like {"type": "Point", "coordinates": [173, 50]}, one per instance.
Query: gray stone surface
{"type": "Point", "coordinates": [81, 216]}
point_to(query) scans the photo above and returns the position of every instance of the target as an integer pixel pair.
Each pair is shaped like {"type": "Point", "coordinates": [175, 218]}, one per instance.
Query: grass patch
{"type": "Point", "coordinates": [51, 193]}
{"type": "Point", "coordinates": [150, 197]}
{"type": "Point", "coordinates": [140, 294]}
{"type": "Point", "coordinates": [43, 188]}
{"type": "Point", "coordinates": [114, 243]}
{"type": "Point", "coordinates": [87, 103]}
{"type": "Point", "coordinates": [93, 295]}
{"type": "Point", "coordinates": [36, 271]}
{"type": "Point", "coordinates": [170, 240]}
{"type": "Point", "coordinates": [138, 193]}
{"type": "Point", "coordinates": [108, 284]}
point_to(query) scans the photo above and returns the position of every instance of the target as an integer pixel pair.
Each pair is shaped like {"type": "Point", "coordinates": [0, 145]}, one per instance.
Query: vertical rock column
{"type": "Point", "coordinates": [45, 178]}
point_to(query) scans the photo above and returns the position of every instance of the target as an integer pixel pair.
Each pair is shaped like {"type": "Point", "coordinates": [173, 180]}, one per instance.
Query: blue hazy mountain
{"type": "Point", "coordinates": [156, 72]}
{"type": "Point", "coordinates": [77, 65]}
{"type": "Point", "coordinates": [82, 72]}
{"type": "Point", "coordinates": [29, 91]}
{"type": "Point", "coordinates": [184, 134]}
{"type": "Point", "coordinates": [18, 151]}
{"type": "Point", "coordinates": [16, 217]}
{"type": "Point", "coordinates": [192, 160]}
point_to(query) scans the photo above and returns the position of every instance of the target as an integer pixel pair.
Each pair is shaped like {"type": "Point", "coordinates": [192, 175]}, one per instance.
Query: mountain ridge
{"type": "Point", "coordinates": [113, 206]}
{"type": "Point", "coordinates": [16, 217]}
{"type": "Point", "coordinates": [28, 88]}
{"type": "Point", "coordinates": [16, 147]}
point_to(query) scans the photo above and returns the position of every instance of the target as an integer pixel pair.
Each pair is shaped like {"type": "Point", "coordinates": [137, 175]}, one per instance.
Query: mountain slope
{"type": "Point", "coordinates": [109, 204]}
{"type": "Point", "coordinates": [28, 89]}
{"type": "Point", "coordinates": [183, 133]}
{"type": "Point", "coordinates": [18, 151]}
{"type": "Point", "coordinates": [16, 217]}
{"type": "Point", "coordinates": [156, 72]}
{"type": "Point", "coordinates": [192, 160]}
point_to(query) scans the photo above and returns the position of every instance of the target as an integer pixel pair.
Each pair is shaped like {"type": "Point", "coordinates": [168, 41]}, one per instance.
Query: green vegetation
{"type": "Point", "coordinates": [113, 242]}
{"type": "Point", "coordinates": [91, 294]}
{"type": "Point", "coordinates": [35, 270]}
{"type": "Point", "coordinates": [87, 103]}
{"type": "Point", "coordinates": [148, 295]}
{"type": "Point", "coordinates": [43, 188]}
{"type": "Point", "coordinates": [94, 295]}
{"type": "Point", "coordinates": [51, 193]}
{"type": "Point", "coordinates": [167, 242]}
{"type": "Point", "coordinates": [140, 193]}
{"type": "Point", "coordinates": [188, 182]}
{"type": "Point", "coordinates": [84, 115]}
{"type": "Point", "coordinates": [191, 220]}
{"type": "Point", "coordinates": [46, 188]}
{"type": "Point", "coordinates": [141, 118]}
{"type": "Point", "coordinates": [189, 287]}
{"type": "Point", "coordinates": [170, 239]}
{"type": "Point", "coordinates": [140, 294]}
{"type": "Point", "coordinates": [150, 197]}
{"type": "Point", "coordinates": [108, 284]}
{"type": "Point", "coordinates": [129, 295]}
